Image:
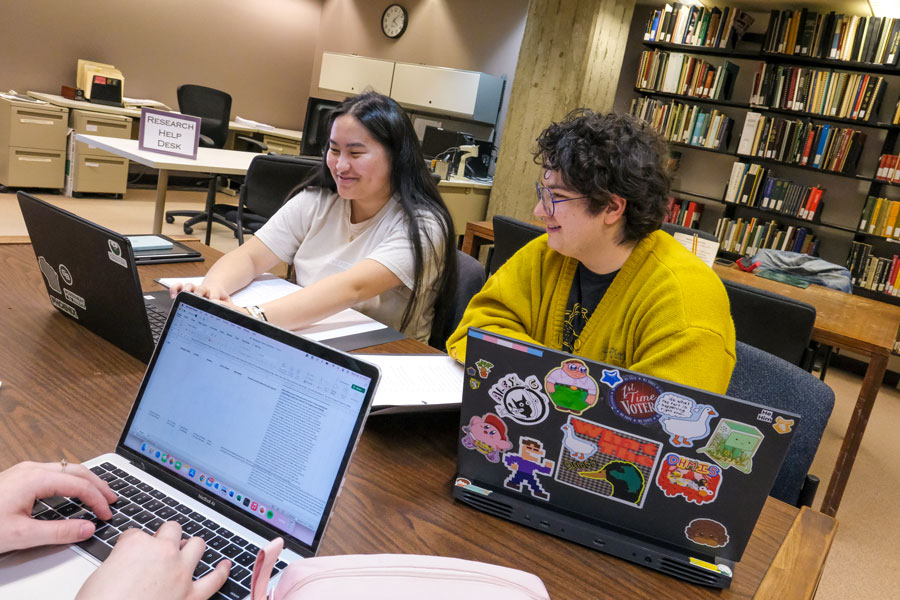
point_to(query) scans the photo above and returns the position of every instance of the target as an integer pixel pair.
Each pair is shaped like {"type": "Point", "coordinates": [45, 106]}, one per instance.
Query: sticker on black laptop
{"type": "Point", "coordinates": [474, 383]}
{"type": "Point", "coordinates": [484, 368]}
{"type": "Point", "coordinates": [634, 399]}
{"type": "Point", "coordinates": [74, 299]}
{"type": "Point", "coordinates": [486, 434]}
{"type": "Point", "coordinates": [707, 532]}
{"type": "Point", "coordinates": [695, 480]}
{"type": "Point", "coordinates": [733, 444]}
{"type": "Point", "coordinates": [611, 377]}
{"type": "Point", "coordinates": [471, 371]}
{"type": "Point", "coordinates": [683, 419]}
{"type": "Point", "coordinates": [66, 308]}
{"type": "Point", "coordinates": [571, 387]}
{"type": "Point", "coordinates": [522, 401]}
{"type": "Point", "coordinates": [783, 425]}
{"type": "Point", "coordinates": [50, 274]}
{"type": "Point", "coordinates": [65, 274]}
{"type": "Point", "coordinates": [115, 253]}
{"type": "Point", "coordinates": [765, 415]}
{"type": "Point", "coordinates": [467, 485]}
{"type": "Point", "coordinates": [525, 467]}
{"type": "Point", "coordinates": [506, 343]}
{"type": "Point", "coordinates": [618, 469]}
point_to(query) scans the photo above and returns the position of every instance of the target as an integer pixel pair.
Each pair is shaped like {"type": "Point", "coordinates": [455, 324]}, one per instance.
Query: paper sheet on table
{"type": "Point", "coordinates": [704, 249]}
{"type": "Point", "coordinates": [249, 123]}
{"type": "Point", "coordinates": [412, 382]}
{"type": "Point", "coordinates": [268, 287]}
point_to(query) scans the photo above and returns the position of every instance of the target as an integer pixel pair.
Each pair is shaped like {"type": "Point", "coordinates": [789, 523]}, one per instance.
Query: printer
{"type": "Point", "coordinates": [101, 83]}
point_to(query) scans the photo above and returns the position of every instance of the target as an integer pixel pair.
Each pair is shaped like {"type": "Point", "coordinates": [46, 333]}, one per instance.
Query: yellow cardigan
{"type": "Point", "coordinates": [666, 314]}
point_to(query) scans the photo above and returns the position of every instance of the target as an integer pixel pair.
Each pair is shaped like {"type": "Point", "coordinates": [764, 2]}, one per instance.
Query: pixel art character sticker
{"type": "Point", "coordinates": [525, 466]}
{"type": "Point", "coordinates": [487, 435]}
{"type": "Point", "coordinates": [683, 419]}
{"type": "Point", "coordinates": [695, 480]}
{"type": "Point", "coordinates": [733, 444]}
{"type": "Point", "coordinates": [522, 401]}
{"type": "Point", "coordinates": [571, 387]}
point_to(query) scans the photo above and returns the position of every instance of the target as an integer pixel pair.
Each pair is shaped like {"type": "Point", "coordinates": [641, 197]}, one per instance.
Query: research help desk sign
{"type": "Point", "coordinates": [169, 133]}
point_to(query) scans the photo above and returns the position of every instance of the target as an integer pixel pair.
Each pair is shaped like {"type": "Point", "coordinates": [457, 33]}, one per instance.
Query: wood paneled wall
{"type": "Point", "coordinates": [570, 57]}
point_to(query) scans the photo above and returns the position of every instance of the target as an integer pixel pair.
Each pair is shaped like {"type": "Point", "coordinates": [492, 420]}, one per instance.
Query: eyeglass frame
{"type": "Point", "coordinates": [551, 210]}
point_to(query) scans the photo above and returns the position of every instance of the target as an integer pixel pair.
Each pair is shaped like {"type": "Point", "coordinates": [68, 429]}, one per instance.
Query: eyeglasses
{"type": "Point", "coordinates": [545, 197]}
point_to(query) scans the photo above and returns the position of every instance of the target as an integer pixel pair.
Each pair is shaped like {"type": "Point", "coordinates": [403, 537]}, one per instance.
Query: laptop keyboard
{"type": "Point", "coordinates": [157, 321]}
{"type": "Point", "coordinates": [141, 506]}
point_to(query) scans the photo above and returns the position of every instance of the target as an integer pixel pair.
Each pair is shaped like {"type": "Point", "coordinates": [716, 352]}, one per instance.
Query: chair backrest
{"type": "Point", "coordinates": [766, 379]}
{"type": "Point", "coordinates": [510, 235]}
{"type": "Point", "coordinates": [269, 180]}
{"type": "Point", "coordinates": [777, 324]}
{"type": "Point", "coordinates": [470, 278]}
{"type": "Point", "coordinates": [212, 106]}
{"type": "Point", "coordinates": [672, 229]}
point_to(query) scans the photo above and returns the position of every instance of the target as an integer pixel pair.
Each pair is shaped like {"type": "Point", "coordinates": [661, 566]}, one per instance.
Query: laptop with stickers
{"type": "Point", "coordinates": [91, 277]}
{"type": "Point", "coordinates": [667, 476]}
{"type": "Point", "coordinates": [241, 431]}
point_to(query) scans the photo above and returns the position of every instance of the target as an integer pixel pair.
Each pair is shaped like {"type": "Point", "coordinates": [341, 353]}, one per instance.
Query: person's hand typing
{"type": "Point", "coordinates": [160, 567]}
{"type": "Point", "coordinates": [26, 482]}
{"type": "Point", "coordinates": [213, 292]}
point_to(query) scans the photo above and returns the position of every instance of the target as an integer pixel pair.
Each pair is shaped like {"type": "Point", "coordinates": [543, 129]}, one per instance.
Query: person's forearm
{"type": "Point", "coordinates": [231, 272]}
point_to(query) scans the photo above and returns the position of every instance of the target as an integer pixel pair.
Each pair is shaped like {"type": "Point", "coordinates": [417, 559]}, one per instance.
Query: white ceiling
{"type": "Point", "coordinates": [862, 8]}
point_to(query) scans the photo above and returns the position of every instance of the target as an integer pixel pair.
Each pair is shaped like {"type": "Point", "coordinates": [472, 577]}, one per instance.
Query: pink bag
{"type": "Point", "coordinates": [390, 576]}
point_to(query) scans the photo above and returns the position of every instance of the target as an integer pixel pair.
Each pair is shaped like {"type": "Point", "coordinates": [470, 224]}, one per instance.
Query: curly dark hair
{"type": "Point", "coordinates": [611, 154]}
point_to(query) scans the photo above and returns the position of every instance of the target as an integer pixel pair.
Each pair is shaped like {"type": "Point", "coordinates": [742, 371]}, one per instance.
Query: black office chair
{"type": "Point", "coordinates": [509, 235]}
{"type": "Point", "coordinates": [214, 109]}
{"type": "Point", "coordinates": [269, 180]}
{"type": "Point", "coordinates": [766, 379]}
{"type": "Point", "coordinates": [771, 322]}
{"type": "Point", "coordinates": [470, 279]}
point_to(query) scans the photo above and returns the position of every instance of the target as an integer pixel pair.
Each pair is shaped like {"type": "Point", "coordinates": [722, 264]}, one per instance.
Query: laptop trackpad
{"type": "Point", "coordinates": [47, 572]}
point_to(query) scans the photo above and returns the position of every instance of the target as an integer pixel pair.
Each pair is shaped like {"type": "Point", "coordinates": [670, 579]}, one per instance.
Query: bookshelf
{"type": "Point", "coordinates": [705, 176]}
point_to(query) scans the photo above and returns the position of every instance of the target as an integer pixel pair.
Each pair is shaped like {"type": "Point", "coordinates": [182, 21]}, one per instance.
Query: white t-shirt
{"type": "Point", "coordinates": [313, 231]}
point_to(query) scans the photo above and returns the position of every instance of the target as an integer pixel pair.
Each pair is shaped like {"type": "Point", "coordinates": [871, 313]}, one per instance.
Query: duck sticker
{"type": "Point", "coordinates": [525, 466]}
{"type": "Point", "coordinates": [571, 387]}
{"type": "Point", "coordinates": [707, 532]}
{"type": "Point", "coordinates": [606, 462]}
{"type": "Point", "coordinates": [634, 399]}
{"type": "Point", "coordinates": [733, 444]}
{"type": "Point", "coordinates": [522, 401]}
{"type": "Point", "coordinates": [683, 419]}
{"type": "Point", "coordinates": [487, 435]}
{"type": "Point", "coordinates": [695, 480]}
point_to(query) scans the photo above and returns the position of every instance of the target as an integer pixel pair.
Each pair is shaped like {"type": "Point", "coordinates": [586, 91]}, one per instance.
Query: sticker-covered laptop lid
{"type": "Point", "coordinates": [665, 462]}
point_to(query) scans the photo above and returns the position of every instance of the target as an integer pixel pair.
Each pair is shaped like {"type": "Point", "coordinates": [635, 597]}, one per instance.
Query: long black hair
{"type": "Point", "coordinates": [411, 183]}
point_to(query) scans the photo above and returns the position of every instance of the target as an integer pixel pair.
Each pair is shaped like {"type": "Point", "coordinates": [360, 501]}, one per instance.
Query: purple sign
{"type": "Point", "coordinates": [169, 133]}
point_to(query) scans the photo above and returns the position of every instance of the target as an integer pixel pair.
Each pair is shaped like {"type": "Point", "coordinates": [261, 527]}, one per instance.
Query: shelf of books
{"type": "Point", "coordinates": [816, 92]}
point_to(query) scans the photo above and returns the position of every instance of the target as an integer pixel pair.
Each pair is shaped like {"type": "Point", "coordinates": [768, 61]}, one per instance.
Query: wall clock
{"type": "Point", "coordinates": [394, 21]}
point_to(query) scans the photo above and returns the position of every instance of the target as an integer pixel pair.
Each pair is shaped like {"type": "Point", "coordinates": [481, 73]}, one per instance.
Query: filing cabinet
{"type": "Point", "coordinates": [94, 170]}
{"type": "Point", "coordinates": [281, 145]}
{"type": "Point", "coordinates": [32, 144]}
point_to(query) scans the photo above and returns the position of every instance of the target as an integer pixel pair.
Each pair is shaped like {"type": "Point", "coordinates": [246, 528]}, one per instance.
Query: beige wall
{"type": "Point", "coordinates": [476, 35]}
{"type": "Point", "coordinates": [259, 51]}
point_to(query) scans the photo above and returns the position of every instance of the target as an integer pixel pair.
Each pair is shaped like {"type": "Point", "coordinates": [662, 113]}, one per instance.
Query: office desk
{"type": "Point", "coordinates": [209, 160]}
{"type": "Point", "coordinates": [67, 392]}
{"type": "Point", "coordinates": [859, 324]}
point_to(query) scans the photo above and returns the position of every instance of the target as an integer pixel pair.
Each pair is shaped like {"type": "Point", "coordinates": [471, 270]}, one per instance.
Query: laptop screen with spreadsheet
{"type": "Point", "coordinates": [261, 424]}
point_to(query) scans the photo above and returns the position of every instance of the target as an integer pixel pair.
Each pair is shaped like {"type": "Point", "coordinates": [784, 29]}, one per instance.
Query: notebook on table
{"type": "Point", "coordinates": [664, 475]}
{"type": "Point", "coordinates": [91, 277]}
{"type": "Point", "coordinates": [240, 431]}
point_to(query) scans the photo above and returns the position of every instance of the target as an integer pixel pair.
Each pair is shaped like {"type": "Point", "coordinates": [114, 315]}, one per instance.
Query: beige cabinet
{"type": "Point", "coordinates": [94, 170]}
{"type": "Point", "coordinates": [32, 144]}
{"type": "Point", "coordinates": [350, 74]}
{"type": "Point", "coordinates": [281, 145]}
{"type": "Point", "coordinates": [465, 94]}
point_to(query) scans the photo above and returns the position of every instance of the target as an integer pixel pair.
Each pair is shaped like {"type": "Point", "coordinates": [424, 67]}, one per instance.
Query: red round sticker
{"type": "Point", "coordinates": [634, 400]}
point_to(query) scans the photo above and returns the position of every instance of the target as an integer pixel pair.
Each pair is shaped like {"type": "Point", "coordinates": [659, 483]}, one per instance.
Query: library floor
{"type": "Point", "coordinates": [863, 559]}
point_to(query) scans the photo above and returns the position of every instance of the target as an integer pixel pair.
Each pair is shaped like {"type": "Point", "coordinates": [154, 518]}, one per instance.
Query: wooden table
{"type": "Point", "coordinates": [862, 325]}
{"type": "Point", "coordinates": [67, 392]}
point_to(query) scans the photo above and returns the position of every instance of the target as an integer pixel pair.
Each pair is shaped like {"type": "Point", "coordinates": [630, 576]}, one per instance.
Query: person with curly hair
{"type": "Point", "coordinates": [605, 282]}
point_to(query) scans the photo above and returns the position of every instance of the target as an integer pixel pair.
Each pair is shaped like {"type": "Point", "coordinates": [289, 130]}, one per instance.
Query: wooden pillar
{"type": "Point", "coordinates": [570, 57]}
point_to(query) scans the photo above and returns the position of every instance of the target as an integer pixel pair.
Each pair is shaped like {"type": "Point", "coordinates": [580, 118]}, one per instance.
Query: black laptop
{"type": "Point", "coordinates": [667, 476]}
{"type": "Point", "coordinates": [91, 277]}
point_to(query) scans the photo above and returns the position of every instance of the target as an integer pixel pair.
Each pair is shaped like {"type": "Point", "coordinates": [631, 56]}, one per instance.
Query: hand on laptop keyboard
{"type": "Point", "coordinates": [22, 484]}
{"type": "Point", "coordinates": [155, 567]}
